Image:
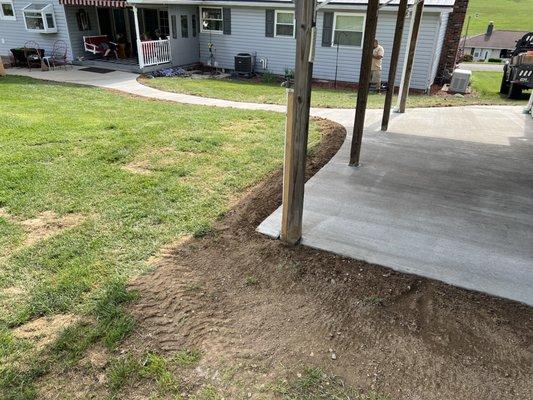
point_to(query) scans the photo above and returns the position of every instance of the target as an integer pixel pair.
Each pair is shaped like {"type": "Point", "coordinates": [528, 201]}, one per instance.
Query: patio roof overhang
{"type": "Point", "coordinates": [97, 3]}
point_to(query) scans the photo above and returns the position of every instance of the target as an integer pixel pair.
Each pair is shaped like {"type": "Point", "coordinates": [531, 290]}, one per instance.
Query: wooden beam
{"type": "Point", "coordinates": [395, 55]}
{"type": "Point", "coordinates": [364, 80]}
{"type": "Point", "coordinates": [414, 30]}
{"type": "Point", "coordinates": [296, 144]}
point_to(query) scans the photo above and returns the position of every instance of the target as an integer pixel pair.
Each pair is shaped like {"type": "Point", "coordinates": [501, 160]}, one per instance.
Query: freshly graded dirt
{"type": "Point", "coordinates": [258, 311]}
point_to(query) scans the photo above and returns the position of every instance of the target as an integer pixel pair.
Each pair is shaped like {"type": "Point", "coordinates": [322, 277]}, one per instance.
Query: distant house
{"type": "Point", "coordinates": [492, 44]}
{"type": "Point", "coordinates": [163, 33]}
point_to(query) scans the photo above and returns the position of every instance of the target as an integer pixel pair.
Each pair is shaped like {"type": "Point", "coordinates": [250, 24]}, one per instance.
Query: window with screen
{"type": "Point", "coordinates": [348, 29]}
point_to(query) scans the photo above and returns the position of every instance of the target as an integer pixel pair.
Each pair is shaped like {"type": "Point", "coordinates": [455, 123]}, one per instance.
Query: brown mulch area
{"type": "Point", "coordinates": [263, 310]}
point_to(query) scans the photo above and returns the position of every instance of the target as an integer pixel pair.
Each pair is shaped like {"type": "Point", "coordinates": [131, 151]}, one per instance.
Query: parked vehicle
{"type": "Point", "coordinates": [518, 72]}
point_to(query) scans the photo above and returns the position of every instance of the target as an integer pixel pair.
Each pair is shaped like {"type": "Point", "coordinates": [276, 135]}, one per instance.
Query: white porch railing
{"type": "Point", "coordinates": [154, 52]}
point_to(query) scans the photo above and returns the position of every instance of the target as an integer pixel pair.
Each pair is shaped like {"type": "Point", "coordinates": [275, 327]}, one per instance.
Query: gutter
{"type": "Point", "coordinates": [275, 4]}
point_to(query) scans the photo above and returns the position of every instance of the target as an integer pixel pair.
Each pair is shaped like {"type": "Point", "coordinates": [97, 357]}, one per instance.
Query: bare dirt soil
{"type": "Point", "coordinates": [259, 311]}
{"type": "Point", "coordinates": [44, 330]}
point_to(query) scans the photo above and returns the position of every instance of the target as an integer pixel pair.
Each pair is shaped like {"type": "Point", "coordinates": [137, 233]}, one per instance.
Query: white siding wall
{"type": "Point", "coordinates": [13, 34]}
{"type": "Point", "coordinates": [248, 35]}
{"type": "Point", "coordinates": [439, 42]}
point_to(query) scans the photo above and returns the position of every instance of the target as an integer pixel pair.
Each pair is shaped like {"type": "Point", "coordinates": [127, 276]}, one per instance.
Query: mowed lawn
{"type": "Point", "coordinates": [513, 15]}
{"type": "Point", "coordinates": [92, 184]}
{"type": "Point", "coordinates": [485, 85]}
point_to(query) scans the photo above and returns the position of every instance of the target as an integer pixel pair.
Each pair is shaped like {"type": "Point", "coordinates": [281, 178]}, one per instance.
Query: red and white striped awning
{"type": "Point", "coordinates": [98, 3]}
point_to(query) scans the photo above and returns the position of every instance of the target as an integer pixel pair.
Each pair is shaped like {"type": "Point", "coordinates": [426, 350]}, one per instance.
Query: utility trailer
{"type": "Point", "coordinates": [518, 72]}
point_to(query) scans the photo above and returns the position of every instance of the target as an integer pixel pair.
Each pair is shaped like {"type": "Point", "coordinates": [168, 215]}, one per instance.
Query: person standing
{"type": "Point", "coordinates": [377, 61]}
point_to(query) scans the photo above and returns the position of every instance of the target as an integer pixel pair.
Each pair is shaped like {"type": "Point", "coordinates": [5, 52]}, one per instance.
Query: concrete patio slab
{"type": "Point", "coordinates": [446, 194]}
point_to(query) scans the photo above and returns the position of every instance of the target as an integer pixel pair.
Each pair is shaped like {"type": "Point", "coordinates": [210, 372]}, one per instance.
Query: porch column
{"type": "Point", "coordinates": [140, 54]}
{"type": "Point", "coordinates": [416, 18]}
{"type": "Point", "coordinates": [529, 107]}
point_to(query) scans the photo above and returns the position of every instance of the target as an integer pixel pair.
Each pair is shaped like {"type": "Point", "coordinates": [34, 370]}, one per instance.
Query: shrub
{"type": "Point", "coordinates": [467, 58]}
{"type": "Point", "coordinates": [289, 73]}
{"type": "Point", "coordinates": [495, 60]}
{"type": "Point", "coordinates": [268, 77]}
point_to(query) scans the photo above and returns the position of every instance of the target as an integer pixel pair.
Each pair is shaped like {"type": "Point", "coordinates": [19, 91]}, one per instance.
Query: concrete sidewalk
{"type": "Point", "coordinates": [446, 194]}
{"type": "Point", "coordinates": [493, 67]}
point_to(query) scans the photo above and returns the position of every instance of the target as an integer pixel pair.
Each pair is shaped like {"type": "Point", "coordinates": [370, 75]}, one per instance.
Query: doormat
{"type": "Point", "coordinates": [97, 70]}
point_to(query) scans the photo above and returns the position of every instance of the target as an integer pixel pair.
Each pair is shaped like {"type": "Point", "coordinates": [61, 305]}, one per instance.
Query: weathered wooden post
{"type": "Point", "coordinates": [296, 144]}
{"type": "Point", "coordinates": [414, 30]}
{"type": "Point", "coordinates": [364, 80]}
{"type": "Point", "coordinates": [288, 162]}
{"type": "Point", "coordinates": [395, 55]}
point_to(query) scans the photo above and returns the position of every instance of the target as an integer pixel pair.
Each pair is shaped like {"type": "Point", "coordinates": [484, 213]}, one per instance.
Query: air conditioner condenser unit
{"type": "Point", "coordinates": [460, 81]}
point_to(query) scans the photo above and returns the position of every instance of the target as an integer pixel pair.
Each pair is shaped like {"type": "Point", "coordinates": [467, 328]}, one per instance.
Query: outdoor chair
{"type": "Point", "coordinates": [58, 57]}
{"type": "Point", "coordinates": [32, 54]}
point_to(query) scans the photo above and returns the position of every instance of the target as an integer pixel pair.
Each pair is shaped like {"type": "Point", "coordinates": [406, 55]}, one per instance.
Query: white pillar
{"type": "Point", "coordinates": [406, 57]}
{"type": "Point", "coordinates": [140, 54]}
{"type": "Point", "coordinates": [529, 107]}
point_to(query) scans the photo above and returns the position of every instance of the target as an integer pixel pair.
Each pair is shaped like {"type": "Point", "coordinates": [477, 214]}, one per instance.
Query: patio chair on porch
{"type": "Point", "coordinates": [33, 54]}
{"type": "Point", "coordinates": [59, 54]}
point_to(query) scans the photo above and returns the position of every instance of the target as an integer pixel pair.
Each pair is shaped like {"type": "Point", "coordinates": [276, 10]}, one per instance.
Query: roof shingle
{"type": "Point", "coordinates": [498, 40]}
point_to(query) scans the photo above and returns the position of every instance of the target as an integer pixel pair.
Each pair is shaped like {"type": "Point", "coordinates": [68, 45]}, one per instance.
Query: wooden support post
{"type": "Point", "coordinates": [395, 55]}
{"type": "Point", "coordinates": [296, 144]}
{"type": "Point", "coordinates": [416, 18]}
{"type": "Point", "coordinates": [2, 70]}
{"type": "Point", "coordinates": [364, 80]}
{"type": "Point", "coordinates": [288, 163]}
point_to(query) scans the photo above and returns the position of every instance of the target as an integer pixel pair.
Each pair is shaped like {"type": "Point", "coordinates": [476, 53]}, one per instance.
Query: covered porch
{"type": "Point", "coordinates": [138, 37]}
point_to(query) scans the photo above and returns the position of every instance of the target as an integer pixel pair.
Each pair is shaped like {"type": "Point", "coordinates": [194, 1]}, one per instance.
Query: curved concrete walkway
{"type": "Point", "coordinates": [445, 194]}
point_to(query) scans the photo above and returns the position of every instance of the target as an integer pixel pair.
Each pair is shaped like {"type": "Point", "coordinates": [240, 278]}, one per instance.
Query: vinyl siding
{"type": "Point", "coordinates": [248, 35]}
{"type": "Point", "coordinates": [13, 34]}
{"type": "Point", "coordinates": [439, 42]}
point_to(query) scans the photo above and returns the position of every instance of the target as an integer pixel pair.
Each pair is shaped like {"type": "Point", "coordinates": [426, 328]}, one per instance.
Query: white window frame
{"type": "Point", "coordinates": [7, 17]}
{"type": "Point", "coordinates": [47, 9]}
{"type": "Point", "coordinates": [350, 14]}
{"type": "Point", "coordinates": [202, 29]}
{"type": "Point", "coordinates": [276, 24]}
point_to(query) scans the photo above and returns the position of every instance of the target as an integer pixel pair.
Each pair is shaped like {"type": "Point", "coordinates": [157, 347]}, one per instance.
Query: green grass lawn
{"type": "Point", "coordinates": [485, 85]}
{"type": "Point", "coordinates": [133, 174]}
{"type": "Point", "coordinates": [514, 15]}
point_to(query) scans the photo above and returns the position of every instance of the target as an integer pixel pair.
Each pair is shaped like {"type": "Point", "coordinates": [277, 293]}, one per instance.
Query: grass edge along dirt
{"type": "Point", "coordinates": [106, 323]}
{"type": "Point", "coordinates": [40, 135]}
{"type": "Point", "coordinates": [485, 85]}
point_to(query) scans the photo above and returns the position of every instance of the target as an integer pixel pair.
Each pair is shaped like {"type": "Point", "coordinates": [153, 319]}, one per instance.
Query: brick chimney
{"type": "Point", "coordinates": [453, 37]}
{"type": "Point", "coordinates": [490, 29]}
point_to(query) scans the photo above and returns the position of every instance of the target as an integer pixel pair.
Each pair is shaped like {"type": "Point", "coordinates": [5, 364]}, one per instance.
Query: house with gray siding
{"type": "Point", "coordinates": [163, 33]}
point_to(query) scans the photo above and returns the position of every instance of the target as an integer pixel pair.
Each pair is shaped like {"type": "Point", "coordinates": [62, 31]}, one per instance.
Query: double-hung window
{"type": "Point", "coordinates": [7, 10]}
{"type": "Point", "coordinates": [40, 18]}
{"type": "Point", "coordinates": [284, 23]}
{"type": "Point", "coordinates": [348, 29]}
{"type": "Point", "coordinates": [211, 19]}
